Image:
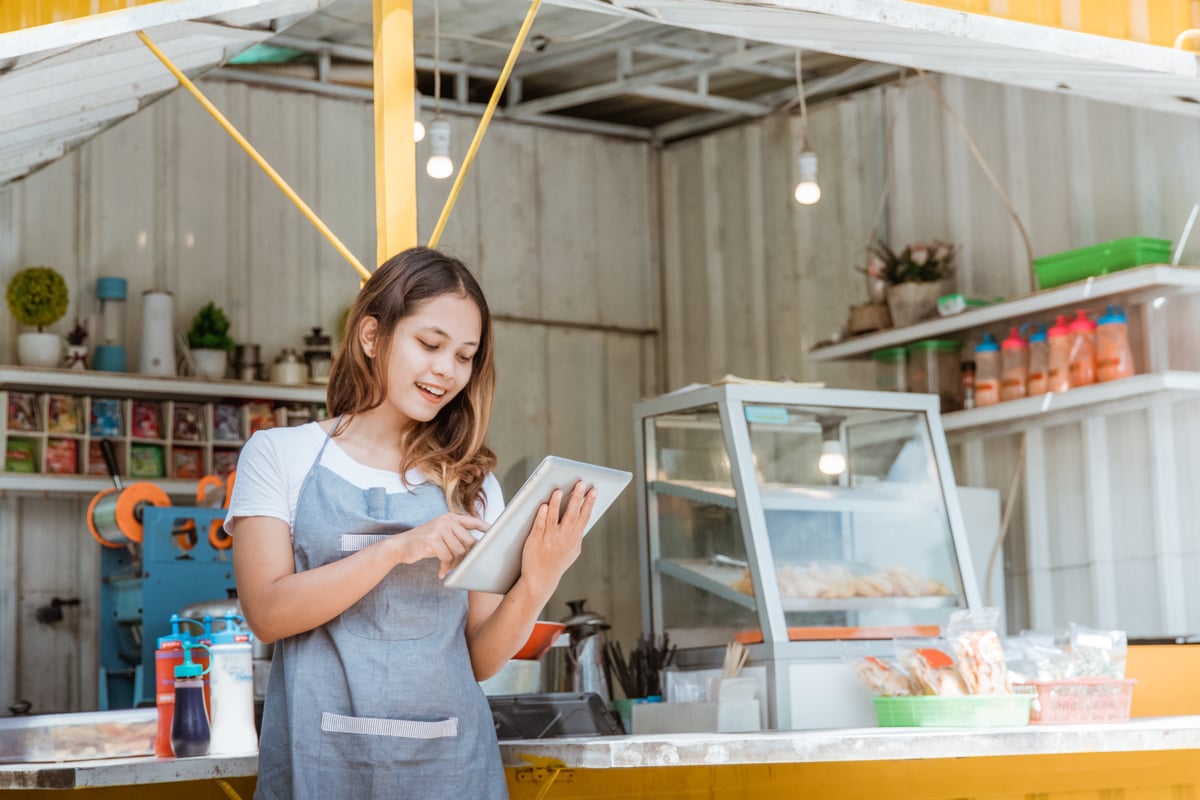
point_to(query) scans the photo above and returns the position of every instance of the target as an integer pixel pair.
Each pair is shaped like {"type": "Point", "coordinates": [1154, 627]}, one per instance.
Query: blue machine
{"type": "Point", "coordinates": [137, 598]}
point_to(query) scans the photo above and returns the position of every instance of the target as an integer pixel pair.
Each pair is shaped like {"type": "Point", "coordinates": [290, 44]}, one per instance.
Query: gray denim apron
{"type": "Point", "coordinates": [379, 702]}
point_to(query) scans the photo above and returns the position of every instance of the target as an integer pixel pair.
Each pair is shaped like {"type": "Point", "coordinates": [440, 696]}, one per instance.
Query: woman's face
{"type": "Point", "coordinates": [431, 355]}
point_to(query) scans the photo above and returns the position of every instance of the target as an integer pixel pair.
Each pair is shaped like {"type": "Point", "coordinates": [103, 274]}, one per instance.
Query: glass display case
{"type": "Point", "coordinates": [792, 519]}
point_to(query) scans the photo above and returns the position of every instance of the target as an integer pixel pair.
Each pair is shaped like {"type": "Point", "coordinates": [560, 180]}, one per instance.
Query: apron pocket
{"type": "Point", "coordinates": [385, 757]}
{"type": "Point", "coordinates": [405, 605]}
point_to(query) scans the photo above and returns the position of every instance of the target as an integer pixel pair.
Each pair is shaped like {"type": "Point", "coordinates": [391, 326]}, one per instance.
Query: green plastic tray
{"type": "Point", "coordinates": [953, 712]}
{"type": "Point", "coordinates": [1100, 259]}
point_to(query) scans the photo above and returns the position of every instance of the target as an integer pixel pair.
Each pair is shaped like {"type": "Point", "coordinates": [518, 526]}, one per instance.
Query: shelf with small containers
{"type": "Point", "coordinates": [918, 357]}
{"type": "Point", "coordinates": [168, 430]}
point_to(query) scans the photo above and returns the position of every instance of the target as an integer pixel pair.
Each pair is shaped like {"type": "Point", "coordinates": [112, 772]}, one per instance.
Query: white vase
{"type": "Point", "coordinates": [211, 363]}
{"type": "Point", "coordinates": [39, 349]}
{"type": "Point", "coordinates": [912, 302]}
{"type": "Point", "coordinates": [158, 334]}
{"type": "Point", "coordinates": [76, 357]}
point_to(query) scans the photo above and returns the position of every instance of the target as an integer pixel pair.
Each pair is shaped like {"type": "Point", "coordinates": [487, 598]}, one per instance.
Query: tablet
{"type": "Point", "coordinates": [494, 564]}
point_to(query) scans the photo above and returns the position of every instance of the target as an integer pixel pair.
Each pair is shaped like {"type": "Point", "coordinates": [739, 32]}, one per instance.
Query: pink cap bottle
{"type": "Point", "coordinates": [1014, 366]}
{"type": "Point", "coordinates": [1082, 364]}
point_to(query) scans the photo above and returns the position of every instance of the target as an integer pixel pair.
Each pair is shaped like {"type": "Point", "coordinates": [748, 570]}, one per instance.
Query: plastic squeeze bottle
{"type": "Point", "coordinates": [1058, 371]}
{"type": "Point", "coordinates": [167, 656]}
{"type": "Point", "coordinates": [231, 680]}
{"type": "Point", "coordinates": [1083, 350]}
{"type": "Point", "coordinates": [189, 727]}
{"type": "Point", "coordinates": [1014, 366]}
{"type": "Point", "coordinates": [987, 372]}
{"type": "Point", "coordinates": [1114, 358]}
{"type": "Point", "coordinates": [1039, 362]}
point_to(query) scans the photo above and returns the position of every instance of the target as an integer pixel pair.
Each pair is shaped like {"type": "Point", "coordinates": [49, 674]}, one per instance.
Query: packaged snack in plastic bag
{"type": "Point", "coordinates": [977, 648]}
{"type": "Point", "coordinates": [1036, 656]}
{"type": "Point", "coordinates": [882, 676]}
{"type": "Point", "coordinates": [1098, 653]}
{"type": "Point", "coordinates": [931, 667]}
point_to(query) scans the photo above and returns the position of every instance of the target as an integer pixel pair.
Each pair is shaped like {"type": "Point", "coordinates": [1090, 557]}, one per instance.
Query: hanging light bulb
{"type": "Point", "coordinates": [808, 191]}
{"type": "Point", "coordinates": [418, 126]}
{"type": "Point", "coordinates": [833, 458]}
{"type": "Point", "coordinates": [439, 166]}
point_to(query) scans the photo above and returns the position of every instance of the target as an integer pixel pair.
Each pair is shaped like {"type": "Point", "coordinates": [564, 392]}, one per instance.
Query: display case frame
{"type": "Point", "coordinates": [782, 660]}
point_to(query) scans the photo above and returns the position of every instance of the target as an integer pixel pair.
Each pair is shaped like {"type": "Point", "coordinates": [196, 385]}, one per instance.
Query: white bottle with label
{"type": "Point", "coordinates": [231, 682]}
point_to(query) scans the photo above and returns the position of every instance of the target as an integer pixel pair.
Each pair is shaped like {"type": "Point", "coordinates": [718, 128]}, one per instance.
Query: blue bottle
{"type": "Point", "coordinates": [189, 727]}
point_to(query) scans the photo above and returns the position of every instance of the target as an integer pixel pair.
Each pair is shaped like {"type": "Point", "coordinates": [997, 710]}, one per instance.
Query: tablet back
{"type": "Point", "coordinates": [494, 564]}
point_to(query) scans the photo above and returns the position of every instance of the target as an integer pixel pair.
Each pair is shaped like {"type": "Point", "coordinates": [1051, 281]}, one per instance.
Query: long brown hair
{"type": "Point", "coordinates": [449, 449]}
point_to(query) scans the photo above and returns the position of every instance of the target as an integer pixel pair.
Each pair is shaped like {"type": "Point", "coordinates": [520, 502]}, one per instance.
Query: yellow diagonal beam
{"type": "Point", "coordinates": [186, 83]}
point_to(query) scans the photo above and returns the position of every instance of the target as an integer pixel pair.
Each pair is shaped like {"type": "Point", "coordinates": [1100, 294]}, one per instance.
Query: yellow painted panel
{"type": "Point", "coordinates": [1152, 21]}
{"type": "Point", "coordinates": [1088, 776]}
{"type": "Point", "coordinates": [1166, 679]}
{"type": "Point", "coordinates": [395, 150]}
{"type": "Point", "coordinates": [16, 15]}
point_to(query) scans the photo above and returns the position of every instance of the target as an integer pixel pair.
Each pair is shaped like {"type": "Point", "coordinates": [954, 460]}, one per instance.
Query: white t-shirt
{"type": "Point", "coordinates": [273, 464]}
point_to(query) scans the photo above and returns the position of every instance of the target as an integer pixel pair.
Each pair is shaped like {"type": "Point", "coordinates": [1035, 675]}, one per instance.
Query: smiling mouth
{"type": "Point", "coordinates": [434, 392]}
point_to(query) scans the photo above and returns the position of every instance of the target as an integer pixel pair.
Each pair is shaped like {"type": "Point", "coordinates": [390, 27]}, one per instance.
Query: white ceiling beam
{"type": "Point", "coordinates": [558, 57]}
{"type": "Point", "coordinates": [64, 128]}
{"type": "Point", "coordinates": [28, 159]}
{"type": "Point", "coordinates": [682, 97]}
{"type": "Point", "coordinates": [678, 53]}
{"type": "Point", "coordinates": [590, 94]}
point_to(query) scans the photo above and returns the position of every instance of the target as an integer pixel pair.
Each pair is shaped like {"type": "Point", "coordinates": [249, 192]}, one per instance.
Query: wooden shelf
{"type": "Point", "coordinates": [36, 483]}
{"type": "Point", "coordinates": [1131, 286]}
{"type": "Point", "coordinates": [125, 384]}
{"type": "Point", "coordinates": [1020, 414]}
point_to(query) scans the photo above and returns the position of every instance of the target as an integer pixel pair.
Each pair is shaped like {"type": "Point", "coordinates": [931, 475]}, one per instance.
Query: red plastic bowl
{"type": "Point", "coordinates": [544, 634]}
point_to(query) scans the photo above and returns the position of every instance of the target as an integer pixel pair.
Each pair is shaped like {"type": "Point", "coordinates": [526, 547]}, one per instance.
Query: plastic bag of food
{"type": "Point", "coordinates": [930, 666]}
{"type": "Point", "coordinates": [977, 648]}
{"type": "Point", "coordinates": [882, 676]}
{"type": "Point", "coordinates": [1098, 653]}
{"type": "Point", "coordinates": [1036, 656]}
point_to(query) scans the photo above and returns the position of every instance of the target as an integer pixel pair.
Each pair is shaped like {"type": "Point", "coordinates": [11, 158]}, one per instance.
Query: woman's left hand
{"type": "Point", "coordinates": [553, 543]}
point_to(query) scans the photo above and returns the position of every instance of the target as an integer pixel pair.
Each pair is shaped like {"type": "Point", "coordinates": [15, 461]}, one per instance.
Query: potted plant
{"type": "Point", "coordinates": [76, 350]}
{"type": "Point", "coordinates": [37, 297]}
{"type": "Point", "coordinates": [915, 277]}
{"type": "Point", "coordinates": [210, 341]}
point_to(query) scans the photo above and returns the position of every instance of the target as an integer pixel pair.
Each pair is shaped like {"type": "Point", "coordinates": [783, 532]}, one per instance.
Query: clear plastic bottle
{"type": "Point", "coordinates": [1014, 366]}
{"type": "Point", "coordinates": [1058, 370]}
{"type": "Point", "coordinates": [189, 726]}
{"type": "Point", "coordinates": [1039, 362]}
{"type": "Point", "coordinates": [1083, 350]}
{"type": "Point", "coordinates": [1114, 358]}
{"type": "Point", "coordinates": [987, 372]}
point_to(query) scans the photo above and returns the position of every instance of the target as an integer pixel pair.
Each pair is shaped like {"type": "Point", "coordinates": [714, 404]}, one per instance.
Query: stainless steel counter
{"type": "Point", "coordinates": [677, 750]}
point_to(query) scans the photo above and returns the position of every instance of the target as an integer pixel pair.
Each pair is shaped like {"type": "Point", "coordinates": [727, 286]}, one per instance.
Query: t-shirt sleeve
{"type": "Point", "coordinates": [494, 496]}
{"type": "Point", "coordinates": [261, 486]}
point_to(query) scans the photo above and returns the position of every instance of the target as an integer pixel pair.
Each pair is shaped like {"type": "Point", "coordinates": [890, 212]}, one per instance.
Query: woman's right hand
{"type": "Point", "coordinates": [446, 538]}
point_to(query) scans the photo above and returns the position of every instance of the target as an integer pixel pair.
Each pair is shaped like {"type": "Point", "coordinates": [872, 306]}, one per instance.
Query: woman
{"type": "Point", "coordinates": [343, 531]}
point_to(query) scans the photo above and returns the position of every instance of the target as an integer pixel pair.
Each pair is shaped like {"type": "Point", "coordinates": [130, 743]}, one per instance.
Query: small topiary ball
{"type": "Point", "coordinates": [37, 296]}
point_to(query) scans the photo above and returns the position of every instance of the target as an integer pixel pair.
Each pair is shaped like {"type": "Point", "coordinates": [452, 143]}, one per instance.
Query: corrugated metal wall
{"type": "Point", "coordinates": [752, 280]}
{"type": "Point", "coordinates": [559, 227]}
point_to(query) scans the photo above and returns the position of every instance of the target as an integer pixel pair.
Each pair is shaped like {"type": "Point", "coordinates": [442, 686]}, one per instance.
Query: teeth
{"type": "Point", "coordinates": [433, 390]}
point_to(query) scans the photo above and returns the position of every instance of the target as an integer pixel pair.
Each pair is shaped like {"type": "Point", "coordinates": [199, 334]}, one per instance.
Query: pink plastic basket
{"type": "Point", "coordinates": [1080, 700]}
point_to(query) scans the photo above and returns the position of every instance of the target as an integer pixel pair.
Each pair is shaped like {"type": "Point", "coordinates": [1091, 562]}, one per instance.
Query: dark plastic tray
{"type": "Point", "coordinates": [549, 716]}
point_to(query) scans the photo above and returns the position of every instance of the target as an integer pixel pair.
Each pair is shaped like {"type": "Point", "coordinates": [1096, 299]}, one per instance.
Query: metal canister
{"type": "Point", "coordinates": [585, 654]}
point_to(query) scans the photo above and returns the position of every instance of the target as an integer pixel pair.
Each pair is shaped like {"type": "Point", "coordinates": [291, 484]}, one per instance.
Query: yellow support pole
{"type": "Point", "coordinates": [483, 123]}
{"type": "Point", "coordinates": [186, 83]}
{"type": "Point", "coordinates": [395, 150]}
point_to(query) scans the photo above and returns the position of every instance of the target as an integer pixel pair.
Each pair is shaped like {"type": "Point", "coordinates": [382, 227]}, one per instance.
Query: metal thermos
{"type": "Point", "coordinates": [585, 654]}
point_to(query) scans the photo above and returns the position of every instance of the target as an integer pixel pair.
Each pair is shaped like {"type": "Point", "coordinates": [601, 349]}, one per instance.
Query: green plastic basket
{"type": "Point", "coordinates": [1100, 259]}
{"type": "Point", "coordinates": [976, 711]}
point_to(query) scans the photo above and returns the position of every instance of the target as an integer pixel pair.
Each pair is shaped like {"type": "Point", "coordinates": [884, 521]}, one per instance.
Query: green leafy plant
{"type": "Point", "coordinates": [210, 330]}
{"type": "Point", "coordinates": [917, 263]}
{"type": "Point", "coordinates": [37, 296]}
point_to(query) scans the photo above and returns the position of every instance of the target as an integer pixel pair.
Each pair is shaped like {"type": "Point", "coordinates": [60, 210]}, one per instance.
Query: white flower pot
{"type": "Point", "coordinates": [40, 349]}
{"type": "Point", "coordinates": [211, 363]}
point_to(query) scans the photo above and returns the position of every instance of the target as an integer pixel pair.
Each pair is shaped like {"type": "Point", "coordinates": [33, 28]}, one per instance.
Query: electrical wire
{"type": "Point", "coordinates": [437, 61]}
{"type": "Point", "coordinates": [803, 103]}
{"type": "Point", "coordinates": [988, 172]}
{"type": "Point", "coordinates": [1005, 520]}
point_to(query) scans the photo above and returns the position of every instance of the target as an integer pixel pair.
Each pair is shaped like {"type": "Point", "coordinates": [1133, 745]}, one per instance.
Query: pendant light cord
{"type": "Point", "coordinates": [437, 60]}
{"type": "Point", "coordinates": [803, 103]}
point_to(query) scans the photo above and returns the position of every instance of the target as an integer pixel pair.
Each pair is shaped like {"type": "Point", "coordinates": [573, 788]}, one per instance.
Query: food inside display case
{"type": "Point", "coordinates": [794, 516]}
